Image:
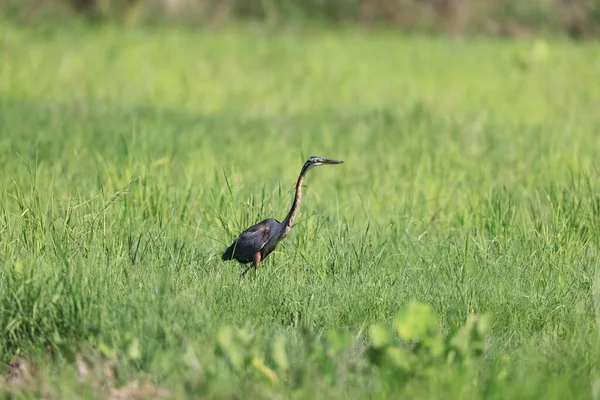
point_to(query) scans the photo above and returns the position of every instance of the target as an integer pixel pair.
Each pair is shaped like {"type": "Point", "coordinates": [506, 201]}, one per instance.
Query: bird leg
{"type": "Point", "coordinates": [256, 258]}
{"type": "Point", "coordinates": [246, 270]}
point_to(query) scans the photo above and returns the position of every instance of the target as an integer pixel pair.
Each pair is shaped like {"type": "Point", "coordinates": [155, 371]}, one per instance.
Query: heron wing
{"type": "Point", "coordinates": [248, 243]}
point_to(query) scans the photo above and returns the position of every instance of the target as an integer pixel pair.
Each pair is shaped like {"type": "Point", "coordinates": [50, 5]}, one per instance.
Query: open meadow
{"type": "Point", "coordinates": [453, 255]}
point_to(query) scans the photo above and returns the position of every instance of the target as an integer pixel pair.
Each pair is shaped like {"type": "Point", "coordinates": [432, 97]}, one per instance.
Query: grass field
{"type": "Point", "coordinates": [453, 255]}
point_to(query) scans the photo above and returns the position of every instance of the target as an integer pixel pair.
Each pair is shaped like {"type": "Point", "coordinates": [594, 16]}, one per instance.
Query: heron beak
{"type": "Point", "coordinates": [329, 161]}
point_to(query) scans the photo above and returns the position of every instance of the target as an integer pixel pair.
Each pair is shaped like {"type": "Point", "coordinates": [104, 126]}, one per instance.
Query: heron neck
{"type": "Point", "coordinates": [289, 219]}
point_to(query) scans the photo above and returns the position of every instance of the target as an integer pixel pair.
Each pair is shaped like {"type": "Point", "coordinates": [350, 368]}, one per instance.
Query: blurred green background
{"type": "Point", "coordinates": [574, 18]}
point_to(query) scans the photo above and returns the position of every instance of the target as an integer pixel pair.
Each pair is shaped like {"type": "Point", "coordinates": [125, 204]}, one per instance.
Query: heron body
{"type": "Point", "coordinates": [258, 241]}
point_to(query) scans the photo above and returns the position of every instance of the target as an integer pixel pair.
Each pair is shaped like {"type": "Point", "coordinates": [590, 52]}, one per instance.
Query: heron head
{"type": "Point", "coordinates": [315, 161]}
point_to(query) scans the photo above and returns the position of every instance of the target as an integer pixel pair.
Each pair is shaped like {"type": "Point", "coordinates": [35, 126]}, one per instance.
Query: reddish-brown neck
{"type": "Point", "coordinates": [289, 219]}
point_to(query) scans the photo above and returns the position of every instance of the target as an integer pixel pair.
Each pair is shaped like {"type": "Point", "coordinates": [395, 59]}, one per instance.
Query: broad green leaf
{"type": "Point", "coordinates": [416, 321]}
{"type": "Point", "coordinates": [471, 337]}
{"type": "Point", "coordinates": [56, 338]}
{"type": "Point", "coordinates": [338, 342]}
{"type": "Point", "coordinates": [233, 344]}
{"type": "Point", "coordinates": [380, 335]}
{"type": "Point", "coordinates": [399, 358]}
{"type": "Point", "coordinates": [191, 359]}
{"type": "Point", "coordinates": [107, 351]}
{"type": "Point", "coordinates": [437, 346]}
{"type": "Point", "coordinates": [268, 372]}
{"type": "Point", "coordinates": [279, 353]}
{"type": "Point", "coordinates": [133, 351]}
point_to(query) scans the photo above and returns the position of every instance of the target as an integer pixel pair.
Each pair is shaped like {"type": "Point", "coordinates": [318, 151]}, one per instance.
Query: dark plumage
{"type": "Point", "coordinates": [257, 242]}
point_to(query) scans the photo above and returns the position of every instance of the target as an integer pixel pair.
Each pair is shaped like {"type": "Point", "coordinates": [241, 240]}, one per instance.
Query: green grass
{"type": "Point", "coordinates": [131, 158]}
